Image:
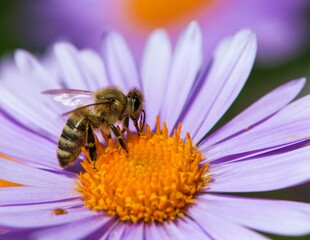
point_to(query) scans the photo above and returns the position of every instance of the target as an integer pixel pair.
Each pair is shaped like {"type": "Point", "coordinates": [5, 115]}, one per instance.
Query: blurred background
{"type": "Point", "coordinates": [282, 28]}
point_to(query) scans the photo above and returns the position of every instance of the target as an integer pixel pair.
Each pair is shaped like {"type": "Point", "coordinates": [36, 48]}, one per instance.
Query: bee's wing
{"type": "Point", "coordinates": [104, 102]}
{"type": "Point", "coordinates": [71, 97]}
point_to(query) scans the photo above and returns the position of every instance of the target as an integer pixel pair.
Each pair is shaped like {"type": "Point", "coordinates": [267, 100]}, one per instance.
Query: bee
{"type": "Point", "coordinates": [95, 110]}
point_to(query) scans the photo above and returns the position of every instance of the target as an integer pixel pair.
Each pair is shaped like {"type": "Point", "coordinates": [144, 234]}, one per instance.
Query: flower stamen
{"type": "Point", "coordinates": [156, 181]}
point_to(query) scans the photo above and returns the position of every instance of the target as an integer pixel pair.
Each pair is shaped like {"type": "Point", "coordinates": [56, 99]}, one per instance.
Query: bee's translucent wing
{"type": "Point", "coordinates": [71, 97]}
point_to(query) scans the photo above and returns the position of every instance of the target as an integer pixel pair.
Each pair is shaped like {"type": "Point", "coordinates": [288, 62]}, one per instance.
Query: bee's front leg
{"type": "Point", "coordinates": [119, 136]}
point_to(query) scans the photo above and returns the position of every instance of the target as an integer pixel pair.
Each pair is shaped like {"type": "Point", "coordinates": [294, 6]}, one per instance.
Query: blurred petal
{"type": "Point", "coordinates": [30, 66]}
{"type": "Point", "coordinates": [186, 62]}
{"type": "Point", "coordinates": [229, 71]}
{"type": "Point", "coordinates": [262, 173]}
{"type": "Point", "coordinates": [120, 63]}
{"type": "Point", "coordinates": [272, 216]}
{"type": "Point", "coordinates": [72, 71]}
{"type": "Point", "coordinates": [95, 71]}
{"type": "Point", "coordinates": [154, 70]}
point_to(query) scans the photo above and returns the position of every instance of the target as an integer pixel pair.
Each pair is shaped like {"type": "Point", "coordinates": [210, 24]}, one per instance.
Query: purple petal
{"type": "Point", "coordinates": [287, 126]}
{"type": "Point", "coordinates": [261, 109]}
{"type": "Point", "coordinates": [272, 216]}
{"type": "Point", "coordinates": [43, 218]}
{"type": "Point", "coordinates": [218, 227]}
{"type": "Point", "coordinates": [44, 206]}
{"type": "Point", "coordinates": [230, 68]}
{"type": "Point", "coordinates": [185, 65]}
{"type": "Point", "coordinates": [260, 139]}
{"type": "Point", "coordinates": [154, 71]}
{"type": "Point", "coordinates": [185, 229]}
{"type": "Point", "coordinates": [134, 231]}
{"type": "Point", "coordinates": [263, 173]}
{"type": "Point", "coordinates": [25, 195]}
{"type": "Point", "coordinates": [116, 231]}
{"type": "Point", "coordinates": [30, 111]}
{"type": "Point", "coordinates": [95, 71]}
{"type": "Point", "coordinates": [26, 145]}
{"type": "Point", "coordinates": [76, 230]}
{"type": "Point", "coordinates": [155, 232]}
{"type": "Point", "coordinates": [19, 173]}
{"type": "Point", "coordinates": [120, 63]}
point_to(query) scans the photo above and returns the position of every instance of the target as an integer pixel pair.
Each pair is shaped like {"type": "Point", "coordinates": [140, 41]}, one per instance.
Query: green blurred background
{"type": "Point", "coordinates": [13, 21]}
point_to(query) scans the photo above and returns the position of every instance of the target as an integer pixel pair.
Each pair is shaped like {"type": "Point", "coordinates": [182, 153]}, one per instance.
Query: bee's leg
{"type": "Point", "coordinates": [136, 126]}
{"type": "Point", "coordinates": [125, 124]}
{"type": "Point", "coordinates": [90, 145]}
{"type": "Point", "coordinates": [119, 136]}
{"type": "Point", "coordinates": [142, 121]}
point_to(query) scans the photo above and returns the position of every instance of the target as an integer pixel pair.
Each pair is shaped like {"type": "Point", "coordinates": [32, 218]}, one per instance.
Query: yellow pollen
{"type": "Point", "coordinates": [156, 181]}
{"type": "Point", "coordinates": [161, 13]}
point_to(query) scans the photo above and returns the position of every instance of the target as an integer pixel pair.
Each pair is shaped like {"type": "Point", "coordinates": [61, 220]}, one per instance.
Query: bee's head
{"type": "Point", "coordinates": [135, 102]}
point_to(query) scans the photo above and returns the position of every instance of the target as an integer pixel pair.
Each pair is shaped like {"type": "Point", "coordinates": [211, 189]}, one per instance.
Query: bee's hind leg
{"type": "Point", "coordinates": [119, 136]}
{"type": "Point", "coordinates": [90, 145]}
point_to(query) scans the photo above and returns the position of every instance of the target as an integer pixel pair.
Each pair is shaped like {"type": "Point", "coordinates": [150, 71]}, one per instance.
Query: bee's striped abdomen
{"type": "Point", "coordinates": [72, 138]}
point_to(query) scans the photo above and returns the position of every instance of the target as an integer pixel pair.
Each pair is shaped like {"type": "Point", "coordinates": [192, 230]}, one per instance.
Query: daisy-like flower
{"type": "Point", "coordinates": [281, 25]}
{"type": "Point", "coordinates": [174, 182]}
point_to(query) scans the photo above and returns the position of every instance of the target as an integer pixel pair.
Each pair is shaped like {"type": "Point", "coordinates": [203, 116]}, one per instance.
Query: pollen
{"type": "Point", "coordinates": [156, 181]}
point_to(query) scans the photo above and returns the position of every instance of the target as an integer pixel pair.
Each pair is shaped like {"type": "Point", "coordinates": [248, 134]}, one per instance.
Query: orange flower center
{"type": "Point", "coordinates": [160, 13]}
{"type": "Point", "coordinates": [156, 181]}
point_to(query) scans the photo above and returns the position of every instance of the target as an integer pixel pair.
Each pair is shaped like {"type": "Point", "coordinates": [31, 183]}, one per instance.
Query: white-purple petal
{"type": "Point", "coordinates": [34, 71]}
{"type": "Point", "coordinates": [120, 63]}
{"type": "Point", "coordinates": [185, 64]}
{"type": "Point", "coordinates": [94, 68]}
{"type": "Point", "coordinates": [154, 71]}
{"type": "Point", "coordinates": [71, 68]}
{"type": "Point", "coordinates": [228, 73]}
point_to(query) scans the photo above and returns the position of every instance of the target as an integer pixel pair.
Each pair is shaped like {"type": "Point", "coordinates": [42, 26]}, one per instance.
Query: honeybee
{"type": "Point", "coordinates": [99, 109]}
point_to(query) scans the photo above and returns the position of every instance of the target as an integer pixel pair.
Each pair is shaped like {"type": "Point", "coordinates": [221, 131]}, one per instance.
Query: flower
{"type": "Point", "coordinates": [281, 26]}
{"type": "Point", "coordinates": [263, 148]}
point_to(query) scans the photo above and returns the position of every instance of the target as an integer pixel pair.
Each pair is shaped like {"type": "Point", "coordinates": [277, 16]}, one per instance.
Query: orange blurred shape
{"type": "Point", "coordinates": [160, 13]}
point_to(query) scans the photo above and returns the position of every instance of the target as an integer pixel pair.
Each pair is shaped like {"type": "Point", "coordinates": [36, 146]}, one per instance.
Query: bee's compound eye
{"type": "Point", "coordinates": [136, 104]}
